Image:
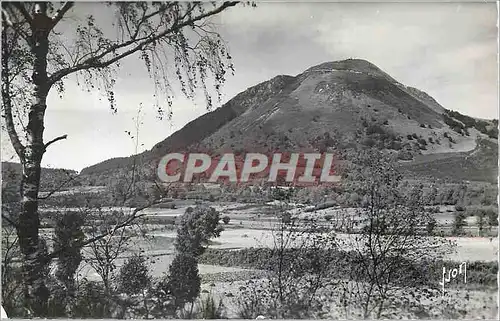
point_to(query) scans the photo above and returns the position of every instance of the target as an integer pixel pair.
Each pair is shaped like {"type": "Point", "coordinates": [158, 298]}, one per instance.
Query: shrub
{"type": "Point", "coordinates": [405, 155]}
{"type": "Point", "coordinates": [209, 309]}
{"type": "Point", "coordinates": [226, 219]}
{"type": "Point", "coordinates": [134, 276]}
{"type": "Point", "coordinates": [458, 223]}
{"type": "Point", "coordinates": [184, 281]}
{"type": "Point", "coordinates": [431, 226]}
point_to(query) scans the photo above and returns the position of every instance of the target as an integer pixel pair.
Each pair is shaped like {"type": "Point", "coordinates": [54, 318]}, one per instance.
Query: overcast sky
{"type": "Point", "coordinates": [448, 50]}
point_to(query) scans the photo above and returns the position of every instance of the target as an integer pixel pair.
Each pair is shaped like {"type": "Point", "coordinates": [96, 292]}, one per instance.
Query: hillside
{"type": "Point", "coordinates": [51, 179]}
{"type": "Point", "coordinates": [343, 104]}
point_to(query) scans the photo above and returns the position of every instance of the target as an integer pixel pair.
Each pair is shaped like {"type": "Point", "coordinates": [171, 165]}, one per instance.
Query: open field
{"type": "Point", "coordinates": [468, 304]}
{"type": "Point", "coordinates": [468, 248]}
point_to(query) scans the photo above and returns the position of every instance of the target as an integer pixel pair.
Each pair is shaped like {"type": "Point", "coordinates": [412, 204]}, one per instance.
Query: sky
{"type": "Point", "coordinates": [448, 50]}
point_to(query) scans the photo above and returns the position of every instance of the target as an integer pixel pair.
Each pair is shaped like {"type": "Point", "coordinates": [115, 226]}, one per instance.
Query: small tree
{"type": "Point", "coordinates": [492, 218]}
{"type": "Point", "coordinates": [226, 219]}
{"type": "Point", "coordinates": [458, 223]}
{"type": "Point", "coordinates": [197, 226]}
{"type": "Point", "coordinates": [184, 281]}
{"type": "Point", "coordinates": [134, 279]}
{"type": "Point", "coordinates": [431, 226]}
{"type": "Point", "coordinates": [298, 269]}
{"type": "Point", "coordinates": [480, 221]}
{"type": "Point", "coordinates": [67, 232]}
{"type": "Point", "coordinates": [182, 285]}
{"type": "Point", "coordinates": [388, 252]}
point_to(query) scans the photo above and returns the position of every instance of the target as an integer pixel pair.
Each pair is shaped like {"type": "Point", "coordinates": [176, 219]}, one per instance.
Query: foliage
{"type": "Point", "coordinates": [134, 276]}
{"type": "Point", "coordinates": [91, 301]}
{"type": "Point", "coordinates": [197, 226]}
{"type": "Point", "coordinates": [67, 233]}
{"type": "Point", "coordinates": [184, 281]}
{"type": "Point", "coordinates": [458, 223]}
{"type": "Point", "coordinates": [297, 269]}
{"type": "Point", "coordinates": [226, 219]}
{"type": "Point", "coordinates": [210, 309]}
{"type": "Point", "coordinates": [11, 273]}
{"type": "Point", "coordinates": [390, 237]}
{"type": "Point", "coordinates": [40, 51]}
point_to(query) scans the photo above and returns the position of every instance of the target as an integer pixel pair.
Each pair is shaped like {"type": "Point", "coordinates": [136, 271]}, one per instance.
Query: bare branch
{"type": "Point", "coordinates": [135, 215]}
{"type": "Point", "coordinates": [60, 13]}
{"type": "Point", "coordinates": [93, 62]}
{"type": "Point", "coordinates": [55, 140]}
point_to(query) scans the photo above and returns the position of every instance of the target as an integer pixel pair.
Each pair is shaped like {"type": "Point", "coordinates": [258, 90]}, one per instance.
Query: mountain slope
{"type": "Point", "coordinates": [351, 101]}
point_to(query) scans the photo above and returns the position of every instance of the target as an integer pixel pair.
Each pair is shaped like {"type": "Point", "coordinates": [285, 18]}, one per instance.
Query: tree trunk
{"type": "Point", "coordinates": [33, 248]}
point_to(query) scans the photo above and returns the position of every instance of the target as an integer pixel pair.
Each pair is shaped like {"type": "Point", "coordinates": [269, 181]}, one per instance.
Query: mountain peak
{"type": "Point", "coordinates": [356, 65]}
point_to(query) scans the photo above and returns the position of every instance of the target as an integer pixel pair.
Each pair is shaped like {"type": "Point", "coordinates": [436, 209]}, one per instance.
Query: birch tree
{"type": "Point", "coordinates": [38, 56]}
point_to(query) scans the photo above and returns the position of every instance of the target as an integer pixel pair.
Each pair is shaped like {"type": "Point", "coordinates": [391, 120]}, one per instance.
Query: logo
{"type": "Point", "coordinates": [279, 168]}
{"type": "Point", "coordinates": [453, 274]}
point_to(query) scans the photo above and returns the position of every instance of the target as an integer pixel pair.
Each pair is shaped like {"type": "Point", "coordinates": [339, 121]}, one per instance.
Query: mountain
{"type": "Point", "coordinates": [339, 104]}
{"type": "Point", "coordinates": [51, 178]}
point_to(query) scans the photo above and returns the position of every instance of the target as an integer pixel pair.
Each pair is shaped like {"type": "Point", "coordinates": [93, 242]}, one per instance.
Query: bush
{"type": "Point", "coordinates": [405, 155]}
{"type": "Point", "coordinates": [184, 281]}
{"type": "Point", "coordinates": [226, 219]}
{"type": "Point", "coordinates": [422, 141]}
{"type": "Point", "coordinates": [210, 310]}
{"type": "Point", "coordinates": [458, 224]}
{"type": "Point", "coordinates": [134, 276]}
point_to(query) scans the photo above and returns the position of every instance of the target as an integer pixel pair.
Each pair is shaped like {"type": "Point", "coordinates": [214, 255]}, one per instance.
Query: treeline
{"type": "Point", "coordinates": [464, 122]}
{"type": "Point", "coordinates": [428, 273]}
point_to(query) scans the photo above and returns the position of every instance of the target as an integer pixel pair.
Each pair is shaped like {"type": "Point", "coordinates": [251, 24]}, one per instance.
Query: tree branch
{"type": "Point", "coordinates": [9, 220]}
{"type": "Point", "coordinates": [60, 13]}
{"type": "Point", "coordinates": [22, 9]}
{"type": "Point", "coordinates": [55, 140]}
{"type": "Point", "coordinates": [7, 101]}
{"type": "Point", "coordinates": [6, 18]}
{"type": "Point", "coordinates": [92, 240]}
{"type": "Point", "coordinates": [93, 62]}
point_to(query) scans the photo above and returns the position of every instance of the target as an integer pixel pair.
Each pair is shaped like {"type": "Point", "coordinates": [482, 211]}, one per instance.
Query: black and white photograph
{"type": "Point", "coordinates": [250, 160]}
